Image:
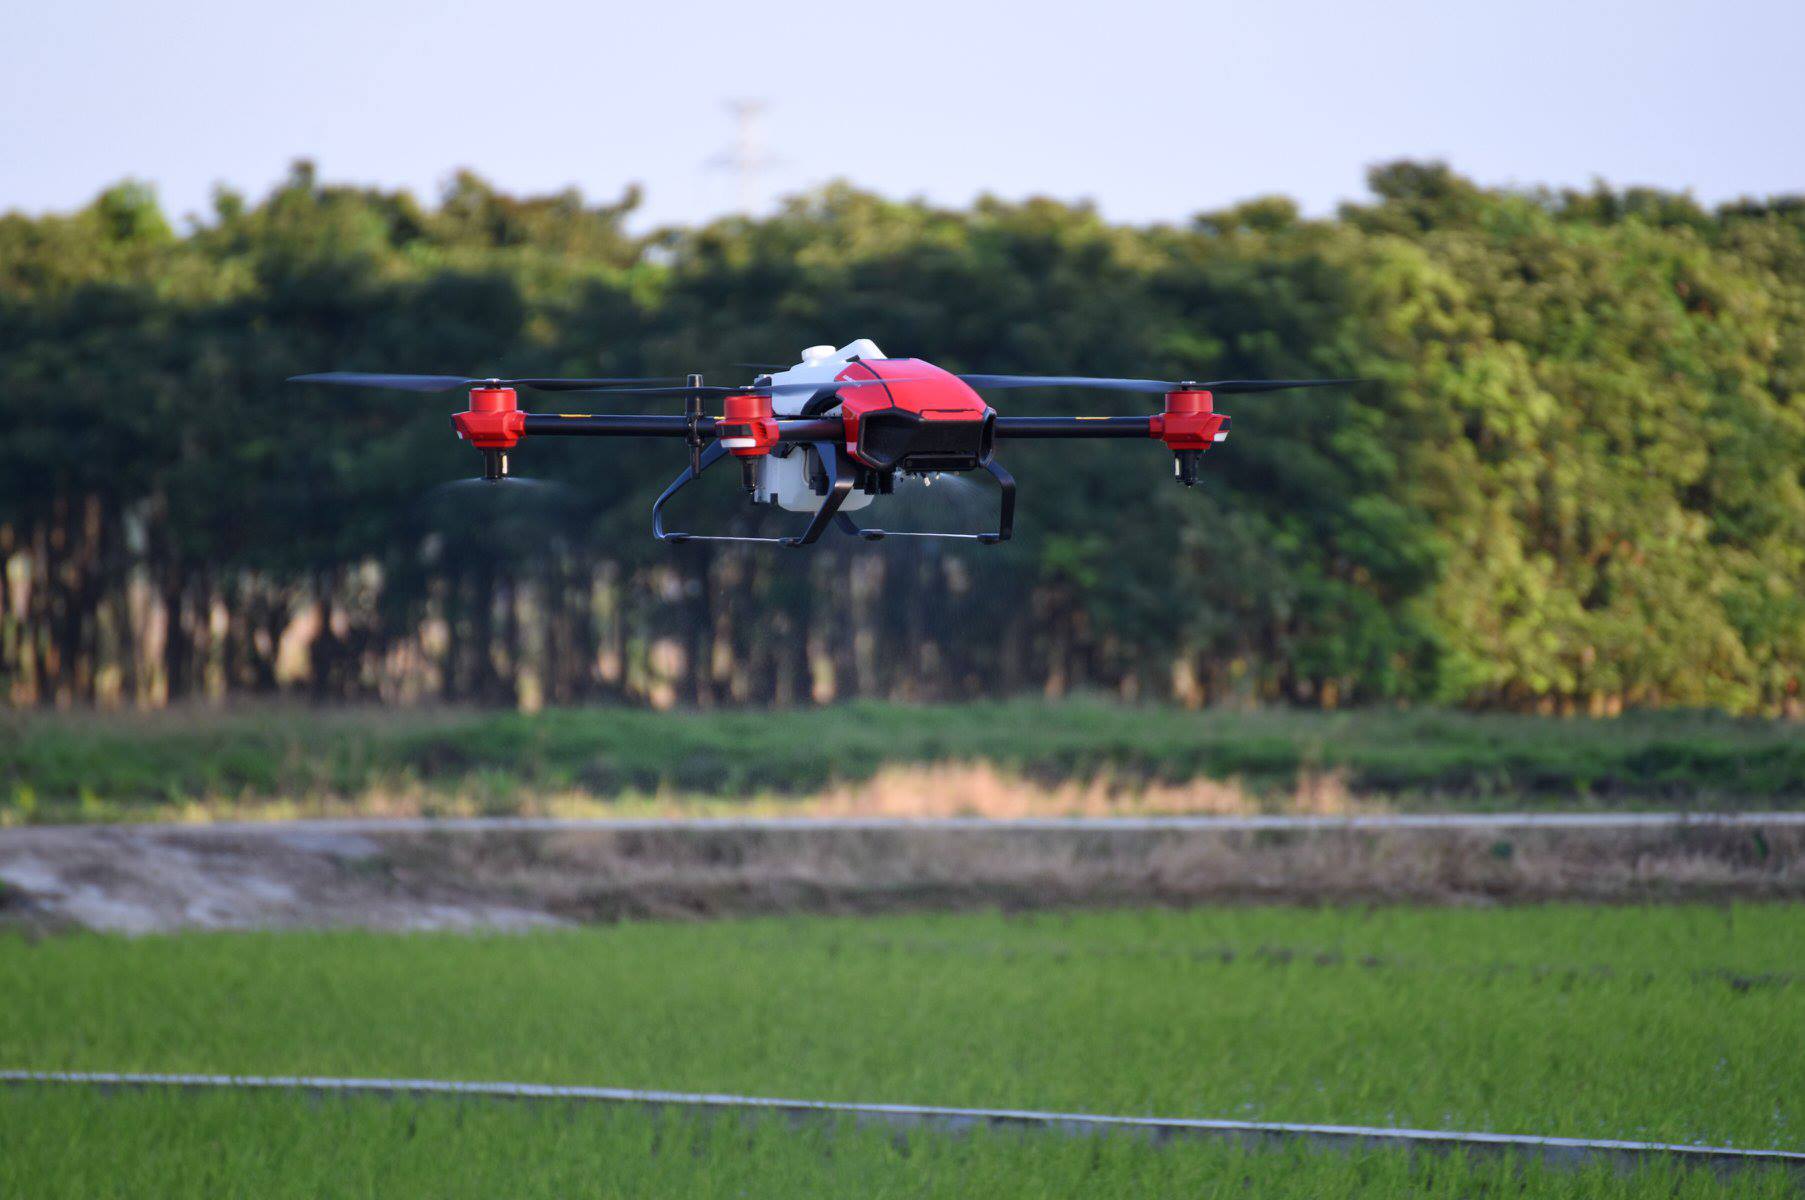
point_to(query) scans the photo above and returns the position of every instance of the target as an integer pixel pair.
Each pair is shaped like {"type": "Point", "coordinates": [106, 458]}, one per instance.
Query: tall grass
{"type": "Point", "coordinates": [64, 766]}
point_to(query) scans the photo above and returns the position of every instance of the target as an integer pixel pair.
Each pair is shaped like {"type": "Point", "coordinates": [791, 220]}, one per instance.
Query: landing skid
{"type": "Point", "coordinates": [840, 471]}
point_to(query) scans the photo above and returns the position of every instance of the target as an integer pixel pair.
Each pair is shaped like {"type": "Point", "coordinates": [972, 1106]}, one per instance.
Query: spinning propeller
{"type": "Point", "coordinates": [495, 461]}
{"type": "Point", "coordinates": [694, 391]}
{"type": "Point", "coordinates": [622, 385]}
{"type": "Point", "coordinates": [452, 383]}
{"type": "Point", "coordinates": [765, 389]}
{"type": "Point", "coordinates": [1221, 387]}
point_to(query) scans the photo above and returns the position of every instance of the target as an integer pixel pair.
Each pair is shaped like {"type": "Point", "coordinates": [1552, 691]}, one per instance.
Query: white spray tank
{"type": "Point", "coordinates": [784, 481]}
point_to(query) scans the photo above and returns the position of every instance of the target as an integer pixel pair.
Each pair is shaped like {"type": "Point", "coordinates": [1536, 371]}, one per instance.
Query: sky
{"type": "Point", "coordinates": [1151, 109]}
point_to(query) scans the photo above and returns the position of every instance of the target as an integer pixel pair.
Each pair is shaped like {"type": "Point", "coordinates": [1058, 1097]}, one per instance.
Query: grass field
{"type": "Point", "coordinates": [1673, 1024]}
{"type": "Point", "coordinates": [84, 766]}
{"type": "Point", "coordinates": [68, 1144]}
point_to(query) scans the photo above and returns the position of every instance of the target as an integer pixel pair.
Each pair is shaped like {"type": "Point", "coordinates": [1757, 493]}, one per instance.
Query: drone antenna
{"type": "Point", "coordinates": [746, 158]}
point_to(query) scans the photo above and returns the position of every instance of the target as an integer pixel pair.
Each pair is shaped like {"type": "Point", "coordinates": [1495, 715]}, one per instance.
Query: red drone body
{"type": "Point", "coordinates": [917, 405]}
{"type": "Point", "coordinates": [832, 433]}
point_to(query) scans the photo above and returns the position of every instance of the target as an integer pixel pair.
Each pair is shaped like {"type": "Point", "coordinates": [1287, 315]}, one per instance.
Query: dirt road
{"type": "Point", "coordinates": [517, 875]}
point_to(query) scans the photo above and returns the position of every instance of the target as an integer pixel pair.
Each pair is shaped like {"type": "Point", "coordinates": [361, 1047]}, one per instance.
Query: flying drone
{"type": "Point", "coordinates": [830, 435]}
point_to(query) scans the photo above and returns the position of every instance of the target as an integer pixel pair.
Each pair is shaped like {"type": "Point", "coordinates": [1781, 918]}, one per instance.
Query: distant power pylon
{"type": "Point", "coordinates": [747, 158]}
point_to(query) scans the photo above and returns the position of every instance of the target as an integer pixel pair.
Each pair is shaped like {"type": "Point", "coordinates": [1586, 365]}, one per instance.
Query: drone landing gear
{"type": "Point", "coordinates": [834, 464]}
{"type": "Point", "coordinates": [839, 472]}
{"type": "Point", "coordinates": [1005, 517]}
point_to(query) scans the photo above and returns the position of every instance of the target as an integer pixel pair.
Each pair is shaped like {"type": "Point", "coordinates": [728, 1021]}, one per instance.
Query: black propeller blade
{"type": "Point", "coordinates": [452, 383]}
{"type": "Point", "coordinates": [712, 389]}
{"type": "Point", "coordinates": [1224, 387]}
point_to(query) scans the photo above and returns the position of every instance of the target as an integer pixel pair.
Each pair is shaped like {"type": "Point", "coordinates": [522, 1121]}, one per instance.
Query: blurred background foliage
{"type": "Point", "coordinates": [1575, 483]}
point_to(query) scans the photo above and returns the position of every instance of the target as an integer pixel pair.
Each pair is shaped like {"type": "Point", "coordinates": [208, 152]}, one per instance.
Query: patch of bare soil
{"type": "Point", "coordinates": [149, 879]}
{"type": "Point", "coordinates": [155, 878]}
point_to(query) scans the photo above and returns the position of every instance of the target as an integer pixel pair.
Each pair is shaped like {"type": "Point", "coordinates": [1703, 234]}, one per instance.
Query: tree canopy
{"type": "Point", "coordinates": [1577, 480]}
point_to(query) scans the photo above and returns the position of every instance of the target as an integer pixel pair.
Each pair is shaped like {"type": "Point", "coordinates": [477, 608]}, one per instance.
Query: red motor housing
{"type": "Point", "coordinates": [748, 429]}
{"type": "Point", "coordinates": [1189, 426]}
{"type": "Point", "coordinates": [494, 420]}
{"type": "Point", "coordinates": [1189, 422]}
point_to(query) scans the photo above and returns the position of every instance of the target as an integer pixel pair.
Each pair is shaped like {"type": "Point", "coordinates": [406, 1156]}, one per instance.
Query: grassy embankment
{"type": "Point", "coordinates": [290, 760]}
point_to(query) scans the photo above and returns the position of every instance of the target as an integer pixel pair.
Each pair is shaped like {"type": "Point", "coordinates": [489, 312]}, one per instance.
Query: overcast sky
{"type": "Point", "coordinates": [1152, 110]}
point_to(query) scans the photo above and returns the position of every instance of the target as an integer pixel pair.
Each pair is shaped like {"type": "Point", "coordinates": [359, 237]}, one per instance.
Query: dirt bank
{"type": "Point", "coordinates": [154, 878]}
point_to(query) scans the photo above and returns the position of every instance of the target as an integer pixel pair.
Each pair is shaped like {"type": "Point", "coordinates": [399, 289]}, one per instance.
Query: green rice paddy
{"type": "Point", "coordinates": [274, 1147]}
{"type": "Point", "coordinates": [1682, 1024]}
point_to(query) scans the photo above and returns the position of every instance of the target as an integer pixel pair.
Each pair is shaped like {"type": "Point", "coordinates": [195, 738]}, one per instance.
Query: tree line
{"type": "Point", "coordinates": [1576, 481]}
